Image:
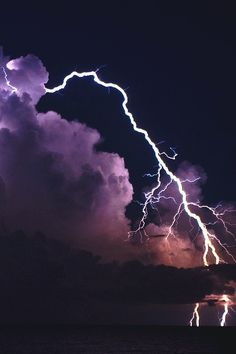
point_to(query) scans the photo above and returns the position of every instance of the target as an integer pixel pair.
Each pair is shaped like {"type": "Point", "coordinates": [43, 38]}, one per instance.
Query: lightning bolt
{"type": "Point", "coordinates": [227, 302]}
{"type": "Point", "coordinates": [13, 88]}
{"type": "Point", "coordinates": [185, 205]}
{"type": "Point", "coordinates": [151, 199]}
{"type": "Point", "coordinates": [195, 316]}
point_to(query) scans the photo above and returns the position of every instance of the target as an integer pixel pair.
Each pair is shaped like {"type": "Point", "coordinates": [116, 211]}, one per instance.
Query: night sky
{"type": "Point", "coordinates": [177, 65]}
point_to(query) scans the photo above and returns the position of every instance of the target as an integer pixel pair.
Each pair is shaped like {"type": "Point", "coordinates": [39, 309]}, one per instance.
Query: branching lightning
{"type": "Point", "coordinates": [158, 192]}
{"type": "Point", "coordinates": [150, 199]}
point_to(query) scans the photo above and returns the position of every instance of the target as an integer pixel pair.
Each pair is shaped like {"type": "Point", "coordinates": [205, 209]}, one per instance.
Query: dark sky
{"type": "Point", "coordinates": [177, 63]}
{"type": "Point", "coordinates": [44, 281]}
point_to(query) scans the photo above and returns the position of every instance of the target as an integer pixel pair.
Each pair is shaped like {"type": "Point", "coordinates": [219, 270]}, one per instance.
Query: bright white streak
{"type": "Point", "coordinates": [13, 88]}
{"type": "Point", "coordinates": [226, 300]}
{"type": "Point", "coordinates": [207, 237]}
{"type": "Point", "coordinates": [195, 315]}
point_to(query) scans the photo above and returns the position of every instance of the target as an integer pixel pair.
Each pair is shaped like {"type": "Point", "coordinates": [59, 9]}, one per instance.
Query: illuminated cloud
{"type": "Point", "coordinates": [54, 179]}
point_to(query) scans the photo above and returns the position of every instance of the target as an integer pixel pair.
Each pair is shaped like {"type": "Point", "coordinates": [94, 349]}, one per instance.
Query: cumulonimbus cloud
{"type": "Point", "coordinates": [52, 177]}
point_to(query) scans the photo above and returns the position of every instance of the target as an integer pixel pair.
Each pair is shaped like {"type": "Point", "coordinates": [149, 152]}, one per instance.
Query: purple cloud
{"type": "Point", "coordinates": [54, 179]}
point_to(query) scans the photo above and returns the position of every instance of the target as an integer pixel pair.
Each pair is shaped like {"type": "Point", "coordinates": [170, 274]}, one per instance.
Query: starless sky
{"type": "Point", "coordinates": [177, 65]}
{"type": "Point", "coordinates": [176, 61]}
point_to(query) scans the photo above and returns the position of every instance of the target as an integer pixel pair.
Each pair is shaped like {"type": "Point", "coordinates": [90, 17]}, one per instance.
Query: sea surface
{"type": "Point", "coordinates": [116, 340]}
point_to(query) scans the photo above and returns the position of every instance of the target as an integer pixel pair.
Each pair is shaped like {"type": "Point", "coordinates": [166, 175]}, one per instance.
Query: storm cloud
{"type": "Point", "coordinates": [52, 177]}
{"type": "Point", "coordinates": [55, 179]}
{"type": "Point", "coordinates": [49, 282]}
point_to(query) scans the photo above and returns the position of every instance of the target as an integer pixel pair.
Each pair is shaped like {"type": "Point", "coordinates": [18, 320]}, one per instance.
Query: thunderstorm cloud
{"type": "Point", "coordinates": [52, 178]}
{"type": "Point", "coordinates": [62, 201]}
{"type": "Point", "coordinates": [78, 288]}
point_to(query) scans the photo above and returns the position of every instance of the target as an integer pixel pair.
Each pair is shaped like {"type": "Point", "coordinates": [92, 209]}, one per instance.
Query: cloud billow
{"type": "Point", "coordinates": [52, 177]}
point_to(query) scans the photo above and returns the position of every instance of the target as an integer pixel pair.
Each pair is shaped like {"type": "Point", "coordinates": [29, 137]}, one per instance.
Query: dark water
{"type": "Point", "coordinates": [116, 340]}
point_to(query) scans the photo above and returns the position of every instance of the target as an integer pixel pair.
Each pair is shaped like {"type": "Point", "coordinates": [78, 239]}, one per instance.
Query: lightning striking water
{"type": "Point", "coordinates": [195, 316]}
{"type": "Point", "coordinates": [226, 301]}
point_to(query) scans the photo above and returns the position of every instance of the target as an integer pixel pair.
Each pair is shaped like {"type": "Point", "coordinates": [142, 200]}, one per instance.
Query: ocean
{"type": "Point", "coordinates": [115, 340]}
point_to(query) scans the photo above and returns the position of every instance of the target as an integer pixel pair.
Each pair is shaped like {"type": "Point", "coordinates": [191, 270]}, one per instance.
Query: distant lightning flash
{"type": "Point", "coordinates": [226, 301]}
{"type": "Point", "coordinates": [223, 300]}
{"type": "Point", "coordinates": [195, 316]}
